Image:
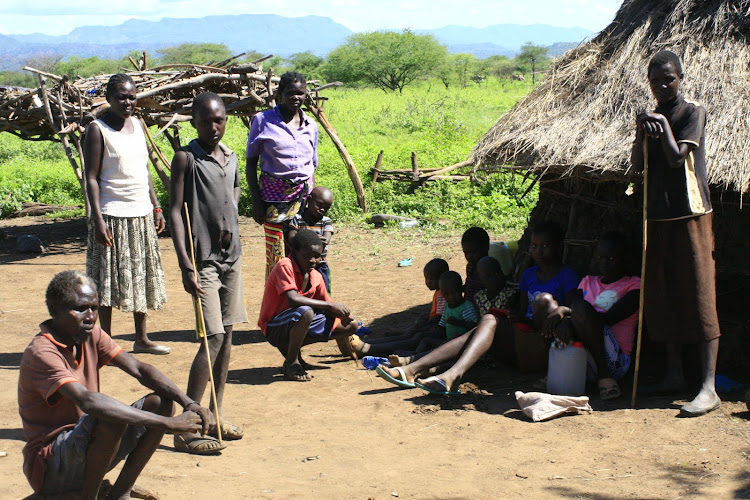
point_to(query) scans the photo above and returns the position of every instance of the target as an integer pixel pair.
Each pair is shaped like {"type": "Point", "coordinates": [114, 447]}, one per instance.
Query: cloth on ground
{"type": "Point", "coordinates": [539, 406]}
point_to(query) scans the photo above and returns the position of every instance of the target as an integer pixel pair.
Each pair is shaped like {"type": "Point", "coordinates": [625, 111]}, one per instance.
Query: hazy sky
{"type": "Point", "coordinates": [59, 17]}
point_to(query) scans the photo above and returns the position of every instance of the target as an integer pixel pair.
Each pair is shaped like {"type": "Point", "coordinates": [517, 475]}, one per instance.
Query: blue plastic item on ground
{"type": "Point", "coordinates": [372, 362]}
{"type": "Point", "coordinates": [405, 263]}
{"type": "Point", "coordinates": [361, 330]}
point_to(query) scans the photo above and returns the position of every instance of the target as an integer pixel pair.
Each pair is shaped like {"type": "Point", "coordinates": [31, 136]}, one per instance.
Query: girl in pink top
{"type": "Point", "coordinates": [603, 315]}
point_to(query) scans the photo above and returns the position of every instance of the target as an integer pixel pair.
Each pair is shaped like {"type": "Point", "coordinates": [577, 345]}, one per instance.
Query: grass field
{"type": "Point", "coordinates": [440, 125]}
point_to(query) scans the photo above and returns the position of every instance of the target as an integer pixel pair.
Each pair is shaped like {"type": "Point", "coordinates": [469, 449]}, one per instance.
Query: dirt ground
{"type": "Point", "coordinates": [349, 434]}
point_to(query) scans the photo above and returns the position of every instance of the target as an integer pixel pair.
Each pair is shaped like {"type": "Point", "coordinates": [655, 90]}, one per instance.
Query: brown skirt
{"type": "Point", "coordinates": [680, 284]}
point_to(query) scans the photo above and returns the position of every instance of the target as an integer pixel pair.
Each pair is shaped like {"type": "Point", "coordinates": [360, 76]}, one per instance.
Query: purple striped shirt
{"type": "Point", "coordinates": [284, 153]}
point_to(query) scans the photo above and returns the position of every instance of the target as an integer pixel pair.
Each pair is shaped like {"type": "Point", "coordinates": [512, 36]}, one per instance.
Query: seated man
{"type": "Point", "coordinates": [296, 308]}
{"type": "Point", "coordinates": [74, 433]}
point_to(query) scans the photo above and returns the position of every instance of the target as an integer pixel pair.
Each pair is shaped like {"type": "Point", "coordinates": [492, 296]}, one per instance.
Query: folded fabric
{"type": "Point", "coordinates": [542, 406]}
{"type": "Point", "coordinates": [372, 362]}
{"type": "Point", "coordinates": [725, 384]}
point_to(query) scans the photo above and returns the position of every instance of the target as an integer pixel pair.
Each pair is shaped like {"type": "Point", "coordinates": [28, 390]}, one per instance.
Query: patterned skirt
{"type": "Point", "coordinates": [128, 274]}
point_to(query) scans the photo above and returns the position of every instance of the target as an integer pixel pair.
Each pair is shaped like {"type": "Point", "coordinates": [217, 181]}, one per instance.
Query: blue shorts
{"type": "Point", "coordinates": [617, 361]}
{"type": "Point", "coordinates": [277, 330]}
{"type": "Point", "coordinates": [67, 463]}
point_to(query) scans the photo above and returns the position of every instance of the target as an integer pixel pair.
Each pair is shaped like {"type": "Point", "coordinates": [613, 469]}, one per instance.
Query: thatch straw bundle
{"type": "Point", "coordinates": [580, 120]}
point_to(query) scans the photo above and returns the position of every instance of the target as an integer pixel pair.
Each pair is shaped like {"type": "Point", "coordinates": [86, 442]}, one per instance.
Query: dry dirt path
{"type": "Point", "coordinates": [348, 434]}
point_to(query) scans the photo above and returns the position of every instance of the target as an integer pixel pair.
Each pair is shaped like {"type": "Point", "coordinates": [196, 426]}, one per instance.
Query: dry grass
{"type": "Point", "coordinates": [581, 118]}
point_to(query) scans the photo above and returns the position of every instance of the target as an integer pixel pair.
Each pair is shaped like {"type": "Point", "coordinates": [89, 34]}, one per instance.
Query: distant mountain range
{"type": "Point", "coordinates": [268, 34]}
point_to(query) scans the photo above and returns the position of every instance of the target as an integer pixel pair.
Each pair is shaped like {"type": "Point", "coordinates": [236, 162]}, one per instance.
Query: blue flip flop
{"type": "Point", "coordinates": [401, 382]}
{"type": "Point", "coordinates": [440, 382]}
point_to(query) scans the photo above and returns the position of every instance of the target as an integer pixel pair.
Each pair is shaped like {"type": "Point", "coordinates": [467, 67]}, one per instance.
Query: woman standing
{"type": "Point", "coordinates": [284, 142]}
{"type": "Point", "coordinates": [122, 255]}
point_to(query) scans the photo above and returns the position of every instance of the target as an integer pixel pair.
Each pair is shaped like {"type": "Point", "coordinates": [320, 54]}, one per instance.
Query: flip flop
{"type": "Point", "coordinates": [229, 432]}
{"type": "Point", "coordinates": [197, 446]}
{"type": "Point", "coordinates": [609, 389]}
{"type": "Point", "coordinates": [401, 382]}
{"type": "Point", "coordinates": [441, 383]}
{"type": "Point", "coordinates": [155, 349]}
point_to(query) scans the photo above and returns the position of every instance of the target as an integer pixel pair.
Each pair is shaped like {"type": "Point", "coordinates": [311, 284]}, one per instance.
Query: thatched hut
{"type": "Point", "coordinates": [575, 130]}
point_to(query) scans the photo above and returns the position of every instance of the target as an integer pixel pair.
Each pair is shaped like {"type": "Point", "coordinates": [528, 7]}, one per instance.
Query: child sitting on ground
{"type": "Point", "coordinates": [475, 244]}
{"type": "Point", "coordinates": [425, 327]}
{"type": "Point", "coordinates": [296, 308]}
{"type": "Point", "coordinates": [603, 315]}
{"type": "Point", "coordinates": [466, 349]}
{"type": "Point", "coordinates": [543, 288]}
{"type": "Point", "coordinates": [314, 217]}
{"type": "Point", "coordinates": [459, 315]}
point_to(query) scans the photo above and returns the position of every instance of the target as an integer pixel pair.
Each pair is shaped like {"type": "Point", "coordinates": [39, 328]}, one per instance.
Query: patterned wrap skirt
{"type": "Point", "coordinates": [128, 275]}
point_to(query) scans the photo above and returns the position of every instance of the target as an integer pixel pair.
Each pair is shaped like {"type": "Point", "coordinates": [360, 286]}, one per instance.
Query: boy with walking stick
{"type": "Point", "coordinates": [206, 178]}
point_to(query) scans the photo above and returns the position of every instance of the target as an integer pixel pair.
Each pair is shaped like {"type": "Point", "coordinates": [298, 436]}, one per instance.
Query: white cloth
{"type": "Point", "coordinates": [542, 406]}
{"type": "Point", "coordinates": [123, 174]}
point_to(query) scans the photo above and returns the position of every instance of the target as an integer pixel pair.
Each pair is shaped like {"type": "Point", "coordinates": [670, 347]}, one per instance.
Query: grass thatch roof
{"type": "Point", "coordinates": [580, 119]}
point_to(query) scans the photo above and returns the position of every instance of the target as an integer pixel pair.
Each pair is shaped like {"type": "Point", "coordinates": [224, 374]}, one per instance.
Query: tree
{"type": "Point", "coordinates": [44, 61]}
{"type": "Point", "coordinates": [464, 65]}
{"type": "Point", "coordinates": [194, 53]}
{"type": "Point", "coordinates": [307, 63]}
{"type": "Point", "coordinates": [536, 55]}
{"type": "Point", "coordinates": [387, 59]}
{"type": "Point", "coordinates": [500, 66]}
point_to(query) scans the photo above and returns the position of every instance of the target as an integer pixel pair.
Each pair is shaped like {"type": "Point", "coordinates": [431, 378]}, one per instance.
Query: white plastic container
{"type": "Point", "coordinates": [566, 374]}
{"type": "Point", "coordinates": [500, 251]}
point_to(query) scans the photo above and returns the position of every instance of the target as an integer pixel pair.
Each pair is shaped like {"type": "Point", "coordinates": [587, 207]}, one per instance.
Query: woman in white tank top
{"type": "Point", "coordinates": [122, 255]}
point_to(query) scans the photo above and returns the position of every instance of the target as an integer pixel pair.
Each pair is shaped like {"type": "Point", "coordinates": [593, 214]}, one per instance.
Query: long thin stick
{"type": "Point", "coordinates": [643, 273]}
{"type": "Point", "coordinates": [200, 329]}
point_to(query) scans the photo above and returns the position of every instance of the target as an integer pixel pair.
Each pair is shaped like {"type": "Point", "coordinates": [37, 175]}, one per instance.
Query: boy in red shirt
{"type": "Point", "coordinates": [296, 308]}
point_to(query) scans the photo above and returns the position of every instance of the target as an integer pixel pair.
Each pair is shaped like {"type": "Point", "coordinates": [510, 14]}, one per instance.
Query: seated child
{"type": "Point", "coordinates": [465, 349]}
{"type": "Point", "coordinates": [603, 315]}
{"type": "Point", "coordinates": [313, 216]}
{"type": "Point", "coordinates": [296, 308]}
{"type": "Point", "coordinates": [475, 244]}
{"type": "Point", "coordinates": [409, 340]}
{"type": "Point", "coordinates": [459, 315]}
{"type": "Point", "coordinates": [543, 287]}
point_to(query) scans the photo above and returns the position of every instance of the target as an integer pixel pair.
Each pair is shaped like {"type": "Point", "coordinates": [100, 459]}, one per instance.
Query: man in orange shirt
{"type": "Point", "coordinates": [74, 433]}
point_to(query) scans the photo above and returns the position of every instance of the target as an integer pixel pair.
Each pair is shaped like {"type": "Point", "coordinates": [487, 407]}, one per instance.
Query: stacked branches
{"type": "Point", "coordinates": [580, 120]}
{"type": "Point", "coordinates": [60, 108]}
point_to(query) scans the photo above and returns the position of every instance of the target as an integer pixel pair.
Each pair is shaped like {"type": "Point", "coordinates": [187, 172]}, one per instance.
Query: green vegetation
{"type": "Point", "coordinates": [385, 59]}
{"type": "Point", "coordinates": [441, 125]}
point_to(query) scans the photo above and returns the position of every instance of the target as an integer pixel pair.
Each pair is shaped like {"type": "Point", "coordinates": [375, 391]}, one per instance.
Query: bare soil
{"type": "Point", "coordinates": [349, 434]}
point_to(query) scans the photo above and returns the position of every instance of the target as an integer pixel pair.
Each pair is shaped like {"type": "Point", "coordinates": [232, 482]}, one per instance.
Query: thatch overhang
{"type": "Point", "coordinates": [580, 119]}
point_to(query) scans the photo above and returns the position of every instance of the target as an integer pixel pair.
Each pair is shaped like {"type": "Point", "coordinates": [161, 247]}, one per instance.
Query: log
{"type": "Point", "coordinates": [159, 170]}
{"type": "Point", "coordinates": [440, 171]}
{"type": "Point", "coordinates": [414, 167]}
{"type": "Point", "coordinates": [34, 208]}
{"type": "Point", "coordinates": [375, 170]}
{"type": "Point", "coordinates": [353, 174]}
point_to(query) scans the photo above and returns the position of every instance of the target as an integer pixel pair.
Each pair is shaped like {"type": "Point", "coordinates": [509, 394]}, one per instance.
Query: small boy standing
{"type": "Point", "coordinates": [314, 217]}
{"type": "Point", "coordinates": [206, 176]}
{"type": "Point", "coordinates": [296, 308]}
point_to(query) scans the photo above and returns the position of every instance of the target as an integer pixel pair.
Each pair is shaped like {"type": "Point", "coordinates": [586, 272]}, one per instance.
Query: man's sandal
{"type": "Point", "coordinates": [198, 446]}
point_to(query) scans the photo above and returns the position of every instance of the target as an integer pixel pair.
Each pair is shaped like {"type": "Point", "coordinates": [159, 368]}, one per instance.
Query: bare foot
{"type": "Point", "coordinates": [296, 373]}
{"type": "Point", "coordinates": [354, 344]}
{"type": "Point", "coordinates": [396, 360]}
{"type": "Point", "coordinates": [706, 401]}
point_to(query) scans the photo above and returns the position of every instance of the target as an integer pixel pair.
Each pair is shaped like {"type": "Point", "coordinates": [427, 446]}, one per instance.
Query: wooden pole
{"type": "Point", "coordinates": [643, 273]}
{"type": "Point", "coordinates": [155, 151]}
{"type": "Point", "coordinates": [353, 175]}
{"type": "Point", "coordinates": [200, 327]}
{"type": "Point", "coordinates": [376, 170]}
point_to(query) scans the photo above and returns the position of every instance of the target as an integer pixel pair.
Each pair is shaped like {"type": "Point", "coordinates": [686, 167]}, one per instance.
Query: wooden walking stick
{"type": "Point", "coordinates": [643, 272]}
{"type": "Point", "coordinates": [200, 329]}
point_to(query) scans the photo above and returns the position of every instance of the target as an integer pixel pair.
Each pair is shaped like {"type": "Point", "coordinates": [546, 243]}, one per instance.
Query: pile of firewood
{"type": "Point", "coordinates": [60, 108]}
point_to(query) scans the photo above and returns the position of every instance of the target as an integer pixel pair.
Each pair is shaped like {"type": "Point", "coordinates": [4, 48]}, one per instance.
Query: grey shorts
{"type": "Point", "coordinates": [224, 301]}
{"type": "Point", "coordinates": [67, 463]}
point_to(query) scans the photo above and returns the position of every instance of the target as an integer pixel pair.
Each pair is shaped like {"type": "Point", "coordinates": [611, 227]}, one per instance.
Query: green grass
{"type": "Point", "coordinates": [440, 125]}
